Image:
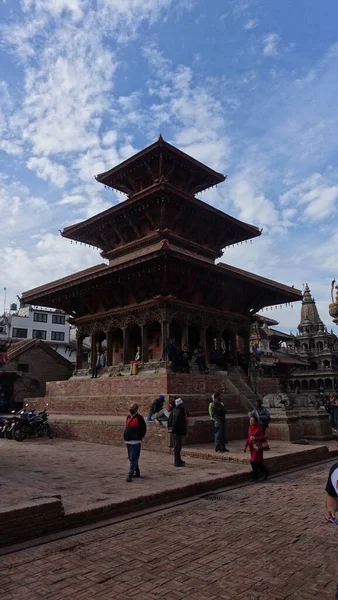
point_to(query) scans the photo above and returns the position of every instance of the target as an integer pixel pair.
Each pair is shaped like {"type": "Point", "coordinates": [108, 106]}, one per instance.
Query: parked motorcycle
{"type": "Point", "coordinates": [31, 423]}
{"type": "Point", "coordinates": [8, 424]}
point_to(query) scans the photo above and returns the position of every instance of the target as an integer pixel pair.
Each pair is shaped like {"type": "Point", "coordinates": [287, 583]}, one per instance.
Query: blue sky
{"type": "Point", "coordinates": [249, 87]}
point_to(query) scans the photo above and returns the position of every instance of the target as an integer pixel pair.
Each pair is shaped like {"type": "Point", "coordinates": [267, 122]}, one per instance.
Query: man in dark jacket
{"type": "Point", "coordinates": [133, 435]}
{"type": "Point", "coordinates": [178, 427]}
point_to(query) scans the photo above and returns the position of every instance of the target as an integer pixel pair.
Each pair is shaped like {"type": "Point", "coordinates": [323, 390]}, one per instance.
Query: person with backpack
{"type": "Point", "coordinates": [177, 426]}
{"type": "Point", "coordinates": [133, 435]}
{"type": "Point", "coordinates": [217, 413]}
{"type": "Point", "coordinates": [262, 414]}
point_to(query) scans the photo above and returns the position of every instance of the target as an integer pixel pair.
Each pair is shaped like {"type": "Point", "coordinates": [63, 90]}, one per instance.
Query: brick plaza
{"type": "Point", "coordinates": [259, 542]}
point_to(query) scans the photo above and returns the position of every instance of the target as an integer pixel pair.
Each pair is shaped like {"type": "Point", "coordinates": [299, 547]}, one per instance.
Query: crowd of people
{"type": "Point", "coordinates": [176, 419]}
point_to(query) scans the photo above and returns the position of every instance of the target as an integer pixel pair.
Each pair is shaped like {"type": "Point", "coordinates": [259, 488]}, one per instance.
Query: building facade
{"type": "Point", "coordinates": [36, 323]}
{"type": "Point", "coordinates": [309, 359]}
{"type": "Point", "coordinates": [30, 364]}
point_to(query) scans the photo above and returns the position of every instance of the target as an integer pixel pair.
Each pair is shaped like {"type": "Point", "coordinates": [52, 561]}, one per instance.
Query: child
{"type": "Point", "coordinates": [255, 440]}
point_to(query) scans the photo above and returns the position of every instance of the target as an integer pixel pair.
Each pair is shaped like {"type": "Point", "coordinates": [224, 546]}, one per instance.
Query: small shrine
{"type": "Point", "coordinates": [161, 278]}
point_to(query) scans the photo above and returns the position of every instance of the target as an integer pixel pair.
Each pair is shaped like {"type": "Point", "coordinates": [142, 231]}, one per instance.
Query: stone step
{"type": "Point", "coordinates": [173, 383]}
{"type": "Point", "coordinates": [109, 430]}
{"type": "Point", "coordinates": [281, 456]}
{"type": "Point", "coordinates": [119, 404]}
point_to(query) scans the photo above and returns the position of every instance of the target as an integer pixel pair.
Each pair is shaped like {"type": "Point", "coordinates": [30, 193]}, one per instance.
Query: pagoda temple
{"type": "Point", "coordinates": [160, 279]}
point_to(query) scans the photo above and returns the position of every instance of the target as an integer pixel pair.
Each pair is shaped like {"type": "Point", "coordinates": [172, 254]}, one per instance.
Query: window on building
{"type": "Point", "coordinates": [40, 317]}
{"type": "Point", "coordinates": [23, 368]}
{"type": "Point", "coordinates": [39, 334]}
{"type": "Point", "coordinates": [19, 333]}
{"type": "Point", "coordinates": [58, 336]}
{"type": "Point", "coordinates": [58, 319]}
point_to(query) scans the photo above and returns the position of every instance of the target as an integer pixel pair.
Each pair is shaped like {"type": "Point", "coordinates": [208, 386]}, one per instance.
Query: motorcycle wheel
{"type": "Point", "coordinates": [9, 434]}
{"type": "Point", "coordinates": [48, 431]}
{"type": "Point", "coordinates": [19, 434]}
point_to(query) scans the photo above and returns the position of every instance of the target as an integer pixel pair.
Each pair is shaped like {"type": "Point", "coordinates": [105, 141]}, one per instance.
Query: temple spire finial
{"type": "Point", "coordinates": [160, 138]}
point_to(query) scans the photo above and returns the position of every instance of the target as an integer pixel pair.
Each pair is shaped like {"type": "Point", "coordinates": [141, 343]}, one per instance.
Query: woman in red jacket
{"type": "Point", "coordinates": [255, 440]}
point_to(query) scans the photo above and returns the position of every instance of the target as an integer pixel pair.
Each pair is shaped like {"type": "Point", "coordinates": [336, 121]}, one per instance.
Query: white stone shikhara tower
{"type": "Point", "coordinates": [310, 321]}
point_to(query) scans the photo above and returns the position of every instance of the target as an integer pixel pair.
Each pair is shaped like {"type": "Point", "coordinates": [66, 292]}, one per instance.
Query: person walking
{"type": "Point", "coordinates": [218, 413]}
{"type": "Point", "coordinates": [100, 362]}
{"type": "Point", "coordinates": [256, 443]}
{"type": "Point", "coordinates": [133, 435]}
{"type": "Point", "coordinates": [262, 414]}
{"type": "Point", "coordinates": [177, 426]}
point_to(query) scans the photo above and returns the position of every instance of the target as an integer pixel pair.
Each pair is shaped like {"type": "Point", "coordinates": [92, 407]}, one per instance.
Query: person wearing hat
{"type": "Point", "coordinates": [157, 412]}
{"type": "Point", "coordinates": [177, 426]}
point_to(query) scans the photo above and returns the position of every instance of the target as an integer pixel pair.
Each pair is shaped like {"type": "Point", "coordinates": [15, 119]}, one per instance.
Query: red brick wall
{"type": "Point", "coordinates": [195, 404]}
{"type": "Point", "coordinates": [30, 520]}
{"type": "Point", "coordinates": [268, 385]}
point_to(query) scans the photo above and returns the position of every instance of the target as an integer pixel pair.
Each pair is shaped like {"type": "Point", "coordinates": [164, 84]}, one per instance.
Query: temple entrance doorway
{"type": "Point", "coordinates": [134, 339]}
{"type": "Point", "coordinates": [175, 330]}
{"type": "Point", "coordinates": [212, 342]}
{"type": "Point", "coordinates": [154, 342]}
{"type": "Point", "coordinates": [193, 337]}
{"type": "Point", "coordinates": [117, 348]}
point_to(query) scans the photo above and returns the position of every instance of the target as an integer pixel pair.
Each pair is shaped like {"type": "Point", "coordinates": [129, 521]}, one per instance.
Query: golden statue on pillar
{"type": "Point", "coordinates": [333, 307]}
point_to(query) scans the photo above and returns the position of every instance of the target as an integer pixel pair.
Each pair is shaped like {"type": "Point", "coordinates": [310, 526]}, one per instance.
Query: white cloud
{"type": "Point", "coordinates": [270, 44]}
{"type": "Point", "coordinates": [53, 257]}
{"type": "Point", "coordinates": [20, 211]}
{"type": "Point", "coordinates": [192, 109]}
{"type": "Point", "coordinates": [48, 170]}
{"type": "Point", "coordinates": [56, 7]}
{"type": "Point", "coordinates": [251, 24]}
{"type": "Point", "coordinates": [315, 196]}
{"type": "Point", "coordinates": [251, 204]}
{"type": "Point", "coordinates": [109, 138]}
{"type": "Point", "coordinates": [73, 199]}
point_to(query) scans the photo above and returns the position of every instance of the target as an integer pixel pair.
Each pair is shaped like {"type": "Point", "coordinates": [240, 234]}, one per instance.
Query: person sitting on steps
{"type": "Point", "coordinates": [198, 358]}
{"type": "Point", "coordinates": [136, 362]}
{"type": "Point", "coordinates": [157, 411]}
{"type": "Point", "coordinates": [100, 362]}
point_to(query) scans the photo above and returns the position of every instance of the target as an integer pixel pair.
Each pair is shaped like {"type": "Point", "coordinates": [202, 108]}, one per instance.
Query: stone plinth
{"type": "Point", "coordinates": [297, 424]}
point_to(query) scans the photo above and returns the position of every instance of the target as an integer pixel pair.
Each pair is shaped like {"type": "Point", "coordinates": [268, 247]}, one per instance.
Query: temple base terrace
{"type": "Point", "coordinates": [94, 410]}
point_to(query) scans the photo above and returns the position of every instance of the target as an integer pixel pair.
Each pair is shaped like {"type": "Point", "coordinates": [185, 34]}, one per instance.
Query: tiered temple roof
{"type": "Point", "coordinates": [161, 243]}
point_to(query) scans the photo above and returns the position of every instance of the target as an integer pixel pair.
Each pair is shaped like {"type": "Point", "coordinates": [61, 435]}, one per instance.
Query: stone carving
{"type": "Point", "coordinates": [291, 401]}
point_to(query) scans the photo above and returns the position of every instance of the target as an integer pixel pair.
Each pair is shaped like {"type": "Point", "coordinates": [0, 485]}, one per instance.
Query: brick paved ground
{"type": "Point", "coordinates": [260, 542]}
{"type": "Point", "coordinates": [87, 474]}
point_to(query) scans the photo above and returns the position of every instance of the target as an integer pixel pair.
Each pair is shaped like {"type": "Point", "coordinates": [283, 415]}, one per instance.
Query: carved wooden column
{"type": "Point", "coordinates": [125, 344]}
{"type": "Point", "coordinates": [203, 338]}
{"type": "Point", "coordinates": [79, 351]}
{"type": "Point", "coordinates": [165, 338]}
{"type": "Point", "coordinates": [109, 340]}
{"type": "Point", "coordinates": [144, 343]}
{"type": "Point", "coordinates": [185, 334]}
{"type": "Point", "coordinates": [233, 342]}
{"type": "Point", "coordinates": [93, 351]}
